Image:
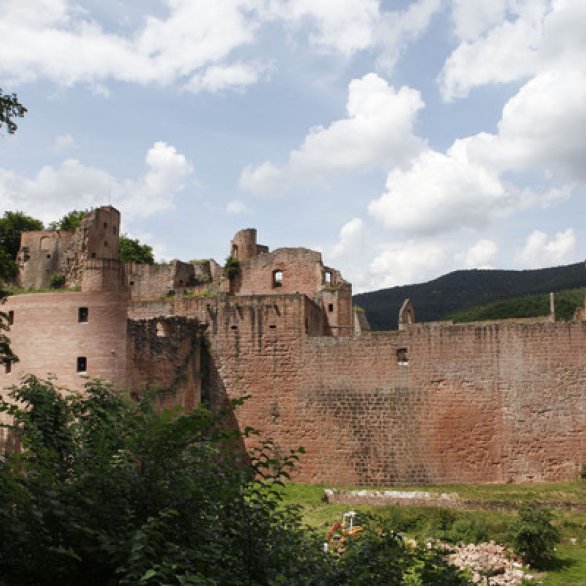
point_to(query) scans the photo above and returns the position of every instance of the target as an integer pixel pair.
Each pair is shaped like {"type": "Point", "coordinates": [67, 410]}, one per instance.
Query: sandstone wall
{"type": "Point", "coordinates": [164, 355]}
{"type": "Point", "coordinates": [48, 337]}
{"type": "Point", "coordinates": [439, 403]}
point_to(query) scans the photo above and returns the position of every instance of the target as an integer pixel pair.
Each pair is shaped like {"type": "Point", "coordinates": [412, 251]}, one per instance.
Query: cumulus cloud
{"type": "Point", "coordinates": [479, 256]}
{"type": "Point", "coordinates": [541, 252]}
{"type": "Point", "coordinates": [440, 192]}
{"type": "Point", "coordinates": [519, 39]}
{"type": "Point", "coordinates": [401, 263]}
{"type": "Point", "coordinates": [193, 44]}
{"type": "Point", "coordinates": [378, 132]}
{"type": "Point", "coordinates": [54, 191]}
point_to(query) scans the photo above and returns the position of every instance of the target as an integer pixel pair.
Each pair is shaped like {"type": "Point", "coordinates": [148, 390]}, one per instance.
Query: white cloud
{"type": "Point", "coordinates": [378, 132]}
{"type": "Point", "coordinates": [343, 26]}
{"type": "Point", "coordinates": [397, 29]}
{"type": "Point", "coordinates": [535, 36]}
{"type": "Point", "coordinates": [350, 239]}
{"type": "Point", "coordinates": [541, 252]}
{"type": "Point", "coordinates": [54, 191]}
{"type": "Point", "coordinates": [235, 207]}
{"type": "Point", "coordinates": [51, 39]}
{"type": "Point", "coordinates": [440, 192]}
{"type": "Point", "coordinates": [64, 142]}
{"type": "Point", "coordinates": [479, 256]}
{"type": "Point", "coordinates": [402, 263]}
{"type": "Point", "coordinates": [220, 77]}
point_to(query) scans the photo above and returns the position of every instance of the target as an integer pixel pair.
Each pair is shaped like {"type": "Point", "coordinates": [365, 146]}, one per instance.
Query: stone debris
{"type": "Point", "coordinates": [491, 560]}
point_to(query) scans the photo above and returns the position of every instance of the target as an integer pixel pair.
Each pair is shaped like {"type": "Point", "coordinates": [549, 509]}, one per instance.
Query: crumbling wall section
{"type": "Point", "coordinates": [40, 257]}
{"type": "Point", "coordinates": [164, 356]}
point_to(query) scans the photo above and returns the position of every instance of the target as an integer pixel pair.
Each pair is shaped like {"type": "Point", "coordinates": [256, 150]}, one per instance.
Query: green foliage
{"type": "Point", "coordinates": [12, 225]}
{"type": "Point", "coordinates": [132, 250]}
{"type": "Point", "coordinates": [231, 267]}
{"type": "Point", "coordinates": [69, 222]}
{"type": "Point", "coordinates": [57, 281]}
{"type": "Point", "coordinates": [108, 491]}
{"type": "Point", "coordinates": [534, 536]}
{"type": "Point", "coordinates": [10, 108]}
{"type": "Point", "coordinates": [566, 303]}
{"type": "Point", "coordinates": [379, 555]}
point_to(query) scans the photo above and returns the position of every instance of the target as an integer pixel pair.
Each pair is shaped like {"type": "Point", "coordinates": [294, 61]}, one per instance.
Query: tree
{"type": "Point", "coordinates": [131, 249]}
{"type": "Point", "coordinates": [10, 108]}
{"type": "Point", "coordinates": [12, 225]}
{"type": "Point", "coordinates": [69, 222]}
{"type": "Point", "coordinates": [109, 491]}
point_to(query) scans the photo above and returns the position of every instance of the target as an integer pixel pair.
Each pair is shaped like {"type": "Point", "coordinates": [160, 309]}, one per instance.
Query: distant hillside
{"type": "Point", "coordinates": [459, 290]}
{"type": "Point", "coordinates": [532, 305]}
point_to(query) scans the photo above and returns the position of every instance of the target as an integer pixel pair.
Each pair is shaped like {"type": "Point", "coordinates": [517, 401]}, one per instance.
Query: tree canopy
{"type": "Point", "coordinates": [131, 249]}
{"type": "Point", "coordinates": [107, 491]}
{"type": "Point", "coordinates": [69, 221]}
{"type": "Point", "coordinates": [10, 108]}
{"type": "Point", "coordinates": [12, 225]}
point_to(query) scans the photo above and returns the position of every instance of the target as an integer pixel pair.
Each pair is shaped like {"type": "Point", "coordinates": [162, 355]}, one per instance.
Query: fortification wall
{"type": "Point", "coordinates": [462, 403]}
{"type": "Point", "coordinates": [164, 355]}
{"type": "Point", "coordinates": [49, 335]}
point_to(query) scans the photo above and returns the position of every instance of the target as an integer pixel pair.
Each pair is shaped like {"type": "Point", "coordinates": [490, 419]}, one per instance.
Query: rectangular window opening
{"type": "Point", "coordinates": [331, 307]}
{"type": "Point", "coordinates": [81, 364]}
{"type": "Point", "coordinates": [7, 367]}
{"type": "Point", "coordinates": [402, 356]}
{"type": "Point", "coordinates": [83, 314]}
{"type": "Point", "coordinates": [10, 317]}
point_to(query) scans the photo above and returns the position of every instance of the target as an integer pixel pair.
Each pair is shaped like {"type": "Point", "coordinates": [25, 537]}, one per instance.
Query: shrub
{"type": "Point", "coordinates": [534, 536]}
{"type": "Point", "coordinates": [231, 267]}
{"type": "Point", "coordinates": [57, 281]}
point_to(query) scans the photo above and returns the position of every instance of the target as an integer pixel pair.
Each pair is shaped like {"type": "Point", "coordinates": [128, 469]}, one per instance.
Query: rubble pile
{"type": "Point", "coordinates": [489, 560]}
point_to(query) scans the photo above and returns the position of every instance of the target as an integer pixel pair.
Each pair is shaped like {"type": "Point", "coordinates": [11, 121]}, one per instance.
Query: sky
{"type": "Point", "coordinates": [401, 138]}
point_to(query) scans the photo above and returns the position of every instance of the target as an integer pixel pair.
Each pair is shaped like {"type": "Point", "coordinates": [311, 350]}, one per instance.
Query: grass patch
{"type": "Point", "coordinates": [453, 526]}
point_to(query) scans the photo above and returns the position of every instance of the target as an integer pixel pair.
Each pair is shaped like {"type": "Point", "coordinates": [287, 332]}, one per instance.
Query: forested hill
{"type": "Point", "coordinates": [455, 291]}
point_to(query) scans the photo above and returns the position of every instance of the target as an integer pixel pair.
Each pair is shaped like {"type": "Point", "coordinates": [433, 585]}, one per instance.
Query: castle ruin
{"type": "Point", "coordinates": [429, 403]}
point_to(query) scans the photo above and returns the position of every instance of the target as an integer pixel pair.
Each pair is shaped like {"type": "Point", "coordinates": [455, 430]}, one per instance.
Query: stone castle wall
{"type": "Point", "coordinates": [431, 404]}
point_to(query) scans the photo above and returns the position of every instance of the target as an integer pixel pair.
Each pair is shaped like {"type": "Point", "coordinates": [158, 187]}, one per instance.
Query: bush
{"type": "Point", "coordinates": [57, 281]}
{"type": "Point", "coordinates": [534, 536]}
{"type": "Point", "coordinates": [231, 267]}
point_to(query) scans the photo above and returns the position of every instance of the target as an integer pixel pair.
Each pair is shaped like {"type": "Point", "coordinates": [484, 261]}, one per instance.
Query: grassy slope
{"type": "Point", "coordinates": [421, 523]}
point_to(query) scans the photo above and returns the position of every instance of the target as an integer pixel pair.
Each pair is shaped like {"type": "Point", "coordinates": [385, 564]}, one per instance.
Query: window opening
{"type": "Point", "coordinates": [7, 367]}
{"type": "Point", "coordinates": [114, 229]}
{"type": "Point", "coordinates": [328, 277]}
{"type": "Point", "coordinates": [10, 317]}
{"type": "Point", "coordinates": [48, 256]}
{"type": "Point", "coordinates": [81, 364]}
{"type": "Point", "coordinates": [402, 357]}
{"type": "Point", "coordinates": [93, 255]}
{"type": "Point", "coordinates": [331, 307]}
{"type": "Point", "coordinates": [234, 251]}
{"type": "Point", "coordinates": [273, 327]}
{"type": "Point", "coordinates": [162, 330]}
{"type": "Point", "coordinates": [131, 283]}
{"type": "Point", "coordinates": [106, 243]}
{"type": "Point", "coordinates": [82, 314]}
{"type": "Point", "coordinates": [105, 224]}
{"type": "Point", "coordinates": [277, 279]}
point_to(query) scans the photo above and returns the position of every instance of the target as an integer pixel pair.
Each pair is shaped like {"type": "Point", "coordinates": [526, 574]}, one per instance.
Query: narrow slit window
{"type": "Point", "coordinates": [83, 314]}
{"type": "Point", "coordinates": [402, 356]}
{"type": "Point", "coordinates": [331, 307]}
{"type": "Point", "coordinates": [10, 317]}
{"type": "Point", "coordinates": [81, 364]}
{"type": "Point", "coordinates": [7, 367]}
{"type": "Point", "coordinates": [277, 278]}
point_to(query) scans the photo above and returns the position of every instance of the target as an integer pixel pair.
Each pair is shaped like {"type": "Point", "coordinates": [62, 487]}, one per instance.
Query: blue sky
{"type": "Point", "coordinates": [403, 139]}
